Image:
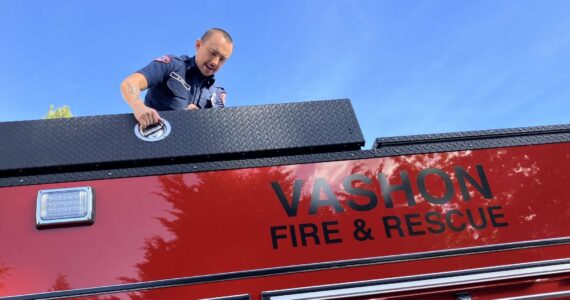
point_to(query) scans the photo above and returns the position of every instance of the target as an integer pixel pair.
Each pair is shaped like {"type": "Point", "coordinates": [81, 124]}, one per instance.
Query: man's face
{"type": "Point", "coordinates": [212, 53]}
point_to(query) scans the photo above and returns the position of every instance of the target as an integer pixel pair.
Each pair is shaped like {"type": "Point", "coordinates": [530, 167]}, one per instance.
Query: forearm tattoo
{"type": "Point", "coordinates": [133, 90]}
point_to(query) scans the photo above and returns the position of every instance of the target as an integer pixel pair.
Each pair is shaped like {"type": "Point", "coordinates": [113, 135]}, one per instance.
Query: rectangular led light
{"type": "Point", "coordinates": [59, 207]}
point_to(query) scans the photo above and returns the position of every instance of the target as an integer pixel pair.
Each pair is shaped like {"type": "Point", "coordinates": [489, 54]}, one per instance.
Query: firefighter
{"type": "Point", "coordinates": [177, 83]}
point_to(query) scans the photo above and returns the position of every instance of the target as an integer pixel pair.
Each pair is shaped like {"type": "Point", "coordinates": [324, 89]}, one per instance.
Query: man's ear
{"type": "Point", "coordinates": [198, 44]}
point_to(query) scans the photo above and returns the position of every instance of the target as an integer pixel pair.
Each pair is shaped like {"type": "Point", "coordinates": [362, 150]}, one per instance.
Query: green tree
{"type": "Point", "coordinates": [60, 112]}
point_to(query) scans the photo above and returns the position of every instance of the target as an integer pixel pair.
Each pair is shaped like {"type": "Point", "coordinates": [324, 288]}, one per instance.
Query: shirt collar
{"type": "Point", "coordinates": [208, 81]}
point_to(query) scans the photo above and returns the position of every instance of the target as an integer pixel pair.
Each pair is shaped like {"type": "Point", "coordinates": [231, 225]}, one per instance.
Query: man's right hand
{"type": "Point", "coordinates": [145, 115]}
{"type": "Point", "coordinates": [131, 88]}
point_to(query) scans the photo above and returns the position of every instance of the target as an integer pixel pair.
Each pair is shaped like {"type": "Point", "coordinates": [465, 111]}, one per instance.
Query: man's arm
{"type": "Point", "coordinates": [131, 89]}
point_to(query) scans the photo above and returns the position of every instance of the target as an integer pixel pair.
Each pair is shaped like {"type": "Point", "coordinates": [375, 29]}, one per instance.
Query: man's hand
{"type": "Point", "coordinates": [191, 106]}
{"type": "Point", "coordinates": [145, 115]}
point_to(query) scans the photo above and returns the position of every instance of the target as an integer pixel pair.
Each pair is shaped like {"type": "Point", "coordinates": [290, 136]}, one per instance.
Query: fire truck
{"type": "Point", "coordinates": [279, 202]}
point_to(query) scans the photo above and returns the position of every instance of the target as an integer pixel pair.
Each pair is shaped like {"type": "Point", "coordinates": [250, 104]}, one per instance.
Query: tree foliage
{"type": "Point", "coordinates": [60, 112]}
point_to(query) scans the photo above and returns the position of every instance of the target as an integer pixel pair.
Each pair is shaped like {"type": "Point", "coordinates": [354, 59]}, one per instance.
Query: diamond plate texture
{"type": "Point", "coordinates": [102, 173]}
{"type": "Point", "coordinates": [469, 135]}
{"type": "Point", "coordinates": [60, 144]}
{"type": "Point", "coordinates": [175, 167]}
{"type": "Point", "coordinates": [483, 142]}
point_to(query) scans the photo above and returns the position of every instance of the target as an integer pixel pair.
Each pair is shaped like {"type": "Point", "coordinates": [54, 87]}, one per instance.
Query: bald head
{"type": "Point", "coordinates": [208, 34]}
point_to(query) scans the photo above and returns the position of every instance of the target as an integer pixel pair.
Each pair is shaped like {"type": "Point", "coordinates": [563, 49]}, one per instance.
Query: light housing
{"type": "Point", "coordinates": [65, 207]}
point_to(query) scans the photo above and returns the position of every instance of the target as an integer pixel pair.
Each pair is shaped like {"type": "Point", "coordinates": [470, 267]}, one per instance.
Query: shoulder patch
{"type": "Point", "coordinates": [223, 97]}
{"type": "Point", "coordinates": [165, 59]}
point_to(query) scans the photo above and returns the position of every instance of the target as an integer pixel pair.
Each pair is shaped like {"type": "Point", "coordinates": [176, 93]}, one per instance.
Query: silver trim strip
{"type": "Point", "coordinates": [327, 292]}
{"type": "Point", "coordinates": [233, 297]}
{"type": "Point", "coordinates": [413, 256]}
{"type": "Point", "coordinates": [552, 295]}
{"type": "Point", "coordinates": [184, 281]}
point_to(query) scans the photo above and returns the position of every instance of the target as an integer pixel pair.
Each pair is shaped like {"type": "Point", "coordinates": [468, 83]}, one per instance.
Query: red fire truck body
{"type": "Point", "coordinates": [482, 215]}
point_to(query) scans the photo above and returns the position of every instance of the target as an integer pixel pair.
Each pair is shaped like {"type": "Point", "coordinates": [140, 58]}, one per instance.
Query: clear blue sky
{"type": "Point", "coordinates": [409, 67]}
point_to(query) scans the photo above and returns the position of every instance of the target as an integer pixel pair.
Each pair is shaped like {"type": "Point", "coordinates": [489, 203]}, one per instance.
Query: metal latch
{"type": "Point", "coordinates": [153, 133]}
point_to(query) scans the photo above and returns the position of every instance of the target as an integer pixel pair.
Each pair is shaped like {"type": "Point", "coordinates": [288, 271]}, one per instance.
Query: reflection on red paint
{"type": "Point", "coordinates": [173, 226]}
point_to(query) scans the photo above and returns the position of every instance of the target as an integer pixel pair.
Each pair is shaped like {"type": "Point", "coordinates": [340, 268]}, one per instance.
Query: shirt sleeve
{"type": "Point", "coordinates": [156, 72]}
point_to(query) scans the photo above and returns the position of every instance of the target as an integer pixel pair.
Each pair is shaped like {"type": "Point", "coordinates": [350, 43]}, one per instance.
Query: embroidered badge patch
{"type": "Point", "coordinates": [165, 59]}
{"type": "Point", "coordinates": [223, 97]}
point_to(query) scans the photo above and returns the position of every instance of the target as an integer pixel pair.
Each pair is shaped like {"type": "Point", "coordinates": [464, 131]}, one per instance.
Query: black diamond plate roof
{"type": "Point", "coordinates": [522, 136]}
{"type": "Point", "coordinates": [51, 146]}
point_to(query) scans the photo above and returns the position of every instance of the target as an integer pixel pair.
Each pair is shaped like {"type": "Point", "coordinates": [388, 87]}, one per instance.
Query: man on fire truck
{"type": "Point", "coordinates": [177, 83]}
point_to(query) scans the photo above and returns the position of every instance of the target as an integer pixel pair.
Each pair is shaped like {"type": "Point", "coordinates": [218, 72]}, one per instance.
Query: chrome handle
{"type": "Point", "coordinates": [153, 133]}
{"type": "Point", "coordinates": [151, 129]}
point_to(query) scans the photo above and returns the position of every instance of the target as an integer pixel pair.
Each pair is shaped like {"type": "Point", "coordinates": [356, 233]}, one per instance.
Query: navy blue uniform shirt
{"type": "Point", "coordinates": [175, 82]}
